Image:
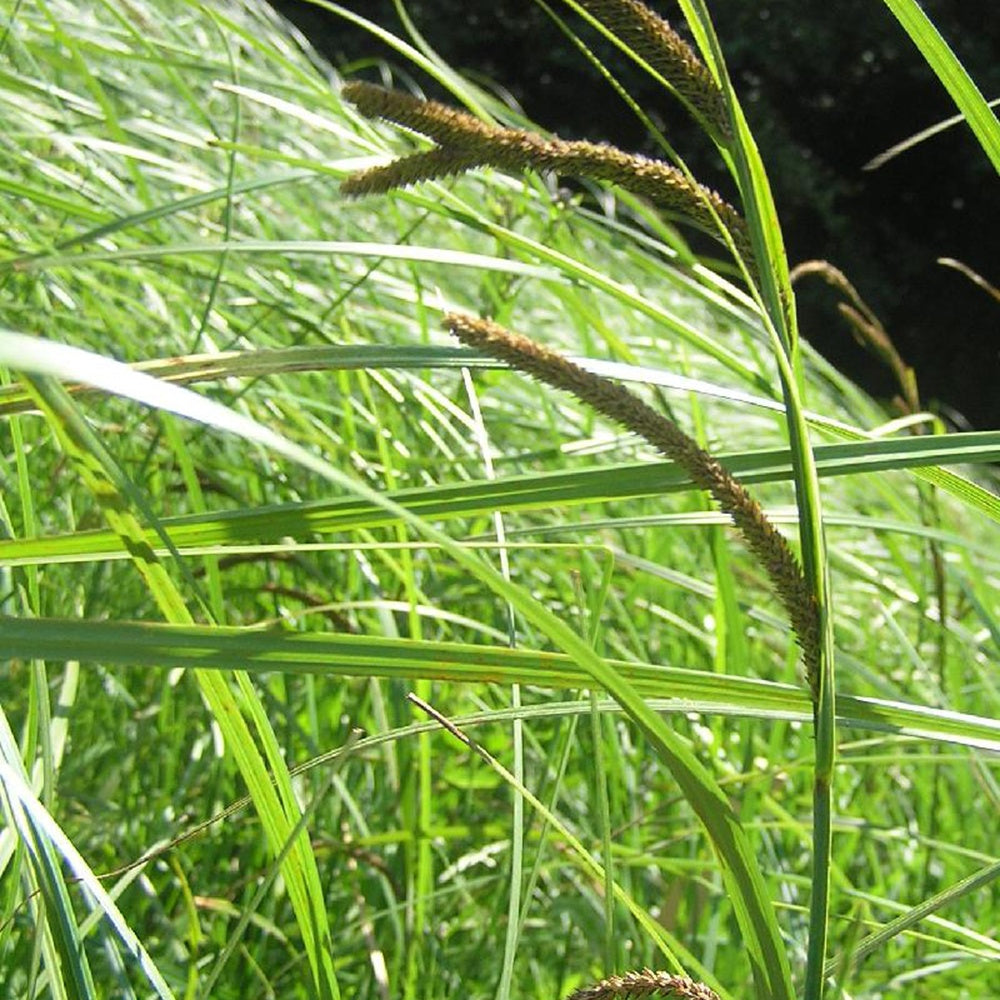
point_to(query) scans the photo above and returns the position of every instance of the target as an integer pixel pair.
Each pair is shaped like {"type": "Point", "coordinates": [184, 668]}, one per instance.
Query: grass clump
{"type": "Point", "coordinates": [239, 647]}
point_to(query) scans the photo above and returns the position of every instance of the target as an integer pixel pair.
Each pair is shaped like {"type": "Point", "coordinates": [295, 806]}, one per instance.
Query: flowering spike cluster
{"type": "Point", "coordinates": [647, 983]}
{"type": "Point", "coordinates": [465, 142]}
{"type": "Point", "coordinates": [651, 38]}
{"type": "Point", "coordinates": [764, 541]}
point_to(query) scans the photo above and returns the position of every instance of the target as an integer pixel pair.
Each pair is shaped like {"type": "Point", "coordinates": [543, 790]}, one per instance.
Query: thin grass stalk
{"type": "Point", "coordinates": [302, 824]}
{"type": "Point", "coordinates": [514, 900]}
{"type": "Point", "coordinates": [880, 938]}
{"type": "Point", "coordinates": [37, 725]}
{"type": "Point", "coordinates": [600, 781]}
{"type": "Point", "coordinates": [779, 303]}
{"type": "Point", "coordinates": [600, 784]}
{"type": "Point", "coordinates": [645, 983]}
{"type": "Point", "coordinates": [420, 797]}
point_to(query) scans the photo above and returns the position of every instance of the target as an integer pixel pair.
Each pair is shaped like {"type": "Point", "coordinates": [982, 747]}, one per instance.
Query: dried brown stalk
{"type": "Point", "coordinates": [867, 328]}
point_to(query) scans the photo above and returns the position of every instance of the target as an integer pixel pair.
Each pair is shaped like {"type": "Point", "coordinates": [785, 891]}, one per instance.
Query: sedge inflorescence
{"type": "Point", "coordinates": [643, 984]}
{"type": "Point", "coordinates": [464, 142]}
{"type": "Point", "coordinates": [617, 403]}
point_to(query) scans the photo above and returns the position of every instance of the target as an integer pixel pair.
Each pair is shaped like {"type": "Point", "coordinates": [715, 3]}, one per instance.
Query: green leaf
{"type": "Point", "coordinates": [263, 651]}
{"type": "Point", "coordinates": [191, 533]}
{"type": "Point", "coordinates": [102, 476]}
{"type": "Point", "coordinates": [952, 74]}
{"type": "Point", "coordinates": [740, 870]}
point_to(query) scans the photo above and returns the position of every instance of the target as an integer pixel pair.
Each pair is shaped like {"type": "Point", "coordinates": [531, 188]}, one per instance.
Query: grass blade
{"type": "Point", "coordinates": [952, 74]}
{"type": "Point", "coordinates": [44, 840]}
{"type": "Point", "coordinates": [262, 651]}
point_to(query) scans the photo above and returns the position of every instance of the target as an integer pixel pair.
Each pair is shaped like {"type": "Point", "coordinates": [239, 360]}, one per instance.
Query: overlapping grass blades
{"type": "Point", "coordinates": [264, 651]}
{"type": "Point", "coordinates": [171, 201]}
{"type": "Point", "coordinates": [740, 870]}
{"type": "Point", "coordinates": [269, 783]}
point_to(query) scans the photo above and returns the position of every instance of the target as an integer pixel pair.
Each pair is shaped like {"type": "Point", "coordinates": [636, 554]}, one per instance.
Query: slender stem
{"type": "Point", "coordinates": [780, 318]}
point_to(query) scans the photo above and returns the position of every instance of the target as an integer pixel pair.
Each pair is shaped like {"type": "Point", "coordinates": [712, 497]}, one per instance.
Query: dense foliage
{"type": "Point", "coordinates": [365, 535]}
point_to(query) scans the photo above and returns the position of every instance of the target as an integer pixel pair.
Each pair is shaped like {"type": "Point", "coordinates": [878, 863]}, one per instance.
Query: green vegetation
{"type": "Point", "coordinates": [368, 667]}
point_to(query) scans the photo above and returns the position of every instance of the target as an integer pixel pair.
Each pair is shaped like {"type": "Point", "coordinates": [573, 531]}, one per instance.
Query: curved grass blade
{"type": "Point", "coordinates": [262, 651]}
{"type": "Point", "coordinates": [100, 474]}
{"type": "Point", "coordinates": [291, 248]}
{"type": "Point", "coordinates": [526, 492]}
{"type": "Point", "coordinates": [671, 947]}
{"type": "Point", "coordinates": [952, 75]}
{"type": "Point", "coordinates": [871, 943]}
{"type": "Point", "coordinates": [44, 839]}
{"type": "Point", "coordinates": [70, 973]}
{"type": "Point", "coordinates": [903, 146]}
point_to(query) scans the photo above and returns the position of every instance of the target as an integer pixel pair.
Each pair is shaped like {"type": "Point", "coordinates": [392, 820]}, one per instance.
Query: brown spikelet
{"type": "Point", "coordinates": [656, 43]}
{"type": "Point", "coordinates": [430, 118]}
{"type": "Point", "coordinates": [466, 142]}
{"type": "Point", "coordinates": [616, 402]}
{"type": "Point", "coordinates": [647, 983]}
{"type": "Point", "coordinates": [428, 165]}
{"type": "Point", "coordinates": [867, 327]}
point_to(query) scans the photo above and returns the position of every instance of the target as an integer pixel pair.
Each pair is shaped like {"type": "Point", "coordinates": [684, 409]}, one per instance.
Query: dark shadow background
{"type": "Point", "coordinates": [827, 85]}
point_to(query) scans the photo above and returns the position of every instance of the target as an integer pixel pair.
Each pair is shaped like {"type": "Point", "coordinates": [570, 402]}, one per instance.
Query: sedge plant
{"type": "Point", "coordinates": [342, 659]}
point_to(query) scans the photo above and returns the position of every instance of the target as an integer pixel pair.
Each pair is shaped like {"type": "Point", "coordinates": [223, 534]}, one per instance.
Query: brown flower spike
{"type": "Point", "coordinates": [647, 983]}
{"type": "Point", "coordinates": [651, 38]}
{"type": "Point", "coordinates": [465, 142]}
{"type": "Point", "coordinates": [764, 541]}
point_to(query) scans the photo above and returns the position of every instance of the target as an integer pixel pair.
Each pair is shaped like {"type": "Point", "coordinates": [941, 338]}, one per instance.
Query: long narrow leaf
{"type": "Point", "coordinates": [528, 492]}
{"type": "Point", "coordinates": [98, 470]}
{"type": "Point", "coordinates": [263, 651]}
{"type": "Point", "coordinates": [952, 74]}
{"type": "Point", "coordinates": [40, 828]}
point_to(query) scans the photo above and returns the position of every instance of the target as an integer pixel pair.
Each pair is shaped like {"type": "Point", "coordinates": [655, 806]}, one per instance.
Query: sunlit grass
{"type": "Point", "coordinates": [170, 180]}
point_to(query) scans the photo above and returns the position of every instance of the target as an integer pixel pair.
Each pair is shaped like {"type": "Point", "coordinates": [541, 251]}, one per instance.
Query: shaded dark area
{"type": "Point", "coordinates": [826, 87]}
